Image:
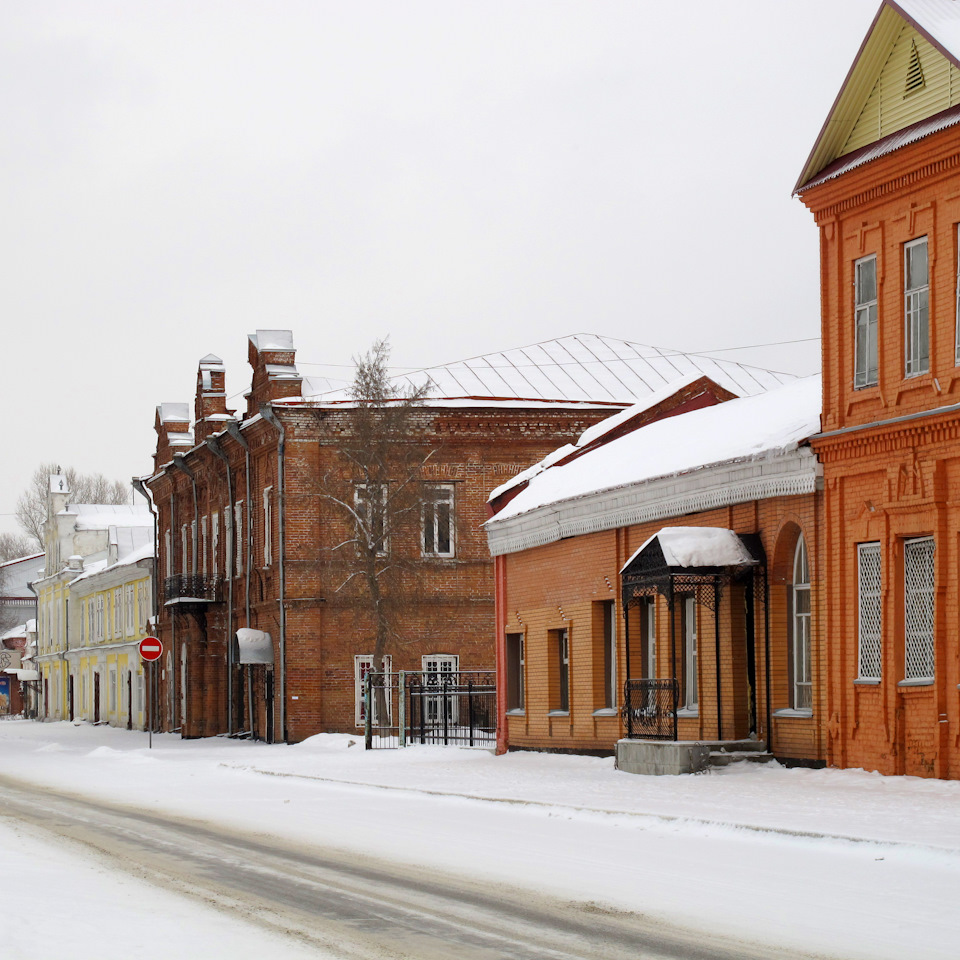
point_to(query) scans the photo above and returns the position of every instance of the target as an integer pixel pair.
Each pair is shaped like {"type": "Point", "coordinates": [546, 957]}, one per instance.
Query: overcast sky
{"type": "Point", "coordinates": [465, 176]}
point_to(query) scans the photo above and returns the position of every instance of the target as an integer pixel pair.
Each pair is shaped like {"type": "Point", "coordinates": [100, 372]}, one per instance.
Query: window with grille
{"type": "Point", "coordinates": [865, 297]}
{"type": "Point", "coordinates": [957, 315]}
{"type": "Point", "coordinates": [238, 533]}
{"type": "Point", "coordinates": [918, 608]}
{"type": "Point", "coordinates": [438, 521]}
{"type": "Point", "coordinates": [802, 685]}
{"type": "Point", "coordinates": [691, 697]}
{"type": "Point", "coordinates": [869, 618]}
{"type": "Point", "coordinates": [362, 665]}
{"type": "Point", "coordinates": [915, 309]}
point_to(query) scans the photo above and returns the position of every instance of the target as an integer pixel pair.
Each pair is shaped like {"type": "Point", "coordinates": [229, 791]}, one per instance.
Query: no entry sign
{"type": "Point", "coordinates": [150, 648]}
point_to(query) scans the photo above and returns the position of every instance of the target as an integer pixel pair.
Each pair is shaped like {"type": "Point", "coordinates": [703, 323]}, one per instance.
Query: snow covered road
{"type": "Point", "coordinates": [736, 855]}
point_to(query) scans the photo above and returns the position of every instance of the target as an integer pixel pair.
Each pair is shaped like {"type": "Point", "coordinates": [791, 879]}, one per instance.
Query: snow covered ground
{"type": "Point", "coordinates": [842, 863]}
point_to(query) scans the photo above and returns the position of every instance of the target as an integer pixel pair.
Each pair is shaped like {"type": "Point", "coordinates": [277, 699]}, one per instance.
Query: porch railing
{"type": "Point", "coordinates": [650, 709]}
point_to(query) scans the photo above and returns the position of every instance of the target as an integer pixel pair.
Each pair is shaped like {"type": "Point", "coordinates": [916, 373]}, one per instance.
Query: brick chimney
{"type": "Point", "coordinates": [173, 432]}
{"type": "Point", "coordinates": [271, 354]}
{"type": "Point", "coordinates": [210, 407]}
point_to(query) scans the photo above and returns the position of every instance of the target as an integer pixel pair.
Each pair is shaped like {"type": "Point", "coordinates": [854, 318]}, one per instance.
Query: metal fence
{"type": "Point", "coordinates": [447, 707]}
{"type": "Point", "coordinates": [650, 709]}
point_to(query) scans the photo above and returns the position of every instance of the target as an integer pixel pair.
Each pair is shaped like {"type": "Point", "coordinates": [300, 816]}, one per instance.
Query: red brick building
{"type": "Point", "coordinates": [883, 183]}
{"type": "Point", "coordinates": [260, 636]}
{"type": "Point", "coordinates": [677, 543]}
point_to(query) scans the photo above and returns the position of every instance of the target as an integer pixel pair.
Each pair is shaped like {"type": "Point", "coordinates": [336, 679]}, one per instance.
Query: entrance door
{"type": "Point", "coordinates": [70, 695]}
{"type": "Point", "coordinates": [96, 696]}
{"type": "Point", "coordinates": [129, 700]}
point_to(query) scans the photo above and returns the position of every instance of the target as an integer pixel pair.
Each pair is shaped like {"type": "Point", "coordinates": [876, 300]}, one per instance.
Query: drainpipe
{"type": "Point", "coordinates": [173, 613]}
{"type": "Point", "coordinates": [138, 485]}
{"type": "Point", "coordinates": [214, 444]}
{"type": "Point", "coordinates": [234, 430]}
{"type": "Point", "coordinates": [33, 590]}
{"type": "Point", "coordinates": [268, 414]}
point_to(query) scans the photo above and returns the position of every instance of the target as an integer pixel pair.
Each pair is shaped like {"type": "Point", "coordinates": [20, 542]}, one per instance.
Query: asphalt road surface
{"type": "Point", "coordinates": [357, 908]}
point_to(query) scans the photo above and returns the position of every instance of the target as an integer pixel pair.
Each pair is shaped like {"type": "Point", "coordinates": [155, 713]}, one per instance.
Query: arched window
{"type": "Point", "coordinates": [802, 689]}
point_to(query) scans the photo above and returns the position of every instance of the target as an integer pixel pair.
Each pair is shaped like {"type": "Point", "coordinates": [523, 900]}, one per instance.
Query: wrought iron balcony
{"type": "Point", "coordinates": [191, 588]}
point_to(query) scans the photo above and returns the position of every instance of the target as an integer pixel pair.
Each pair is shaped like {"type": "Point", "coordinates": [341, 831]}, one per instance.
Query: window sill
{"type": "Point", "coordinates": [920, 682]}
{"type": "Point", "coordinates": [805, 713]}
{"type": "Point", "coordinates": [517, 712]}
{"type": "Point", "coordinates": [606, 712]}
{"type": "Point", "coordinates": [867, 682]}
{"type": "Point", "coordinates": [687, 712]}
{"type": "Point", "coordinates": [558, 713]}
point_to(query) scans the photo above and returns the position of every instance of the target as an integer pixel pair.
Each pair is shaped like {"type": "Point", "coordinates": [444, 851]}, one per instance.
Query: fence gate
{"type": "Point", "coordinates": [450, 708]}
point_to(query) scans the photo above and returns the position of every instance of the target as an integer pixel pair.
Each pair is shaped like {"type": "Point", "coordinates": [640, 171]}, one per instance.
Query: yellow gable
{"type": "Point", "coordinates": [899, 78]}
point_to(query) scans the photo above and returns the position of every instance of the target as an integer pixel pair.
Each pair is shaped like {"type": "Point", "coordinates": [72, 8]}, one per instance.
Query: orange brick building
{"type": "Point", "coordinates": [883, 183]}
{"type": "Point", "coordinates": [679, 542]}
{"type": "Point", "coordinates": [260, 636]}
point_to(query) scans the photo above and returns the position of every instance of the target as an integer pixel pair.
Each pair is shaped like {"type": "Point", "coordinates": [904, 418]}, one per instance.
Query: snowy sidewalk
{"type": "Point", "coordinates": [757, 842]}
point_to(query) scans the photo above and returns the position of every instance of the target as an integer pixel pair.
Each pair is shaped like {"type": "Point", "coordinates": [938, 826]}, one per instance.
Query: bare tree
{"type": "Point", "coordinates": [14, 545]}
{"type": "Point", "coordinates": [31, 507]}
{"type": "Point", "coordinates": [374, 485]}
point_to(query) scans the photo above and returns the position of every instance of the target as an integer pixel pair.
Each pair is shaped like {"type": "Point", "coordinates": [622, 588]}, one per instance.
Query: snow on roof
{"type": "Point", "coordinates": [133, 545]}
{"type": "Point", "coordinates": [580, 368]}
{"type": "Point", "coordinates": [211, 360]}
{"type": "Point", "coordinates": [282, 370]}
{"type": "Point", "coordinates": [174, 412]}
{"type": "Point", "coordinates": [938, 19]}
{"type": "Point", "coordinates": [102, 516]}
{"type": "Point", "coordinates": [596, 432]}
{"type": "Point", "coordinates": [698, 547]}
{"type": "Point", "coordinates": [736, 430]}
{"type": "Point", "coordinates": [272, 340]}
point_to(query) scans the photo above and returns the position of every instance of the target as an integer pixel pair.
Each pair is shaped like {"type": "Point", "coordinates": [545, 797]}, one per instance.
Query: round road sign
{"type": "Point", "coordinates": [150, 649]}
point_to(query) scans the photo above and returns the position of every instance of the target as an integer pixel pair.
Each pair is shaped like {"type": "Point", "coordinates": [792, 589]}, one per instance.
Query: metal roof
{"type": "Point", "coordinates": [579, 368]}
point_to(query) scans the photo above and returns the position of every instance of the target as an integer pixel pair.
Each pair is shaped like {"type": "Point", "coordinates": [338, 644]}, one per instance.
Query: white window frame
{"type": "Point", "coordinates": [184, 558]}
{"type": "Point", "coordinates": [268, 526]}
{"type": "Point", "coordinates": [129, 609]}
{"type": "Point", "coordinates": [362, 665]}
{"type": "Point", "coordinates": [915, 597]}
{"type": "Point", "coordinates": [802, 685]}
{"type": "Point", "coordinates": [194, 565]}
{"type": "Point", "coordinates": [437, 664]}
{"type": "Point", "coordinates": [438, 495]}
{"type": "Point", "coordinates": [99, 621]}
{"type": "Point", "coordinates": [869, 609]}
{"type": "Point", "coordinates": [916, 313]}
{"type": "Point", "coordinates": [238, 538]}
{"type": "Point", "coordinates": [168, 553]}
{"type": "Point", "coordinates": [112, 680]}
{"type": "Point", "coordinates": [517, 666]}
{"type": "Point", "coordinates": [380, 543]}
{"type": "Point", "coordinates": [215, 543]}
{"type": "Point", "coordinates": [203, 545]}
{"type": "Point", "coordinates": [866, 370]}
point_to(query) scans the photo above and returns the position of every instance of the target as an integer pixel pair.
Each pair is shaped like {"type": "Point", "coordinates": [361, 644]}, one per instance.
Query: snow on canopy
{"type": "Point", "coordinates": [697, 547]}
{"type": "Point", "coordinates": [581, 368]}
{"type": "Point", "coordinates": [740, 429]}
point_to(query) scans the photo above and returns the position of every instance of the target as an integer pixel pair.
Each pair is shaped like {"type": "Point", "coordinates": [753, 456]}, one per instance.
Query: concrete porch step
{"type": "Point", "coordinates": [722, 758]}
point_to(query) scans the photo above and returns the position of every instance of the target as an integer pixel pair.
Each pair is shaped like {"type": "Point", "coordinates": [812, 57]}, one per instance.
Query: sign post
{"type": "Point", "coordinates": [151, 650]}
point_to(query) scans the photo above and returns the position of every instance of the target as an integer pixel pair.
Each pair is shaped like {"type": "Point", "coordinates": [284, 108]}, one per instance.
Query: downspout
{"type": "Point", "coordinates": [39, 681]}
{"type": "Point", "coordinates": [766, 655]}
{"type": "Point", "coordinates": [234, 430]}
{"type": "Point", "coordinates": [138, 485]}
{"type": "Point", "coordinates": [180, 696]}
{"type": "Point", "coordinates": [173, 613]}
{"type": "Point", "coordinates": [214, 444]}
{"type": "Point", "coordinates": [268, 414]}
{"type": "Point", "coordinates": [717, 593]}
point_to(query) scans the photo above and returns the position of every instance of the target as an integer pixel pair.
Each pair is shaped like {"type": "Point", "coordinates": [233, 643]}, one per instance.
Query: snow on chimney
{"type": "Point", "coordinates": [275, 377]}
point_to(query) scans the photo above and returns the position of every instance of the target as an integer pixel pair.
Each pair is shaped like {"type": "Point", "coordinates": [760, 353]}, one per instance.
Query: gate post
{"type": "Point", "coordinates": [402, 708]}
{"type": "Point", "coordinates": [367, 726]}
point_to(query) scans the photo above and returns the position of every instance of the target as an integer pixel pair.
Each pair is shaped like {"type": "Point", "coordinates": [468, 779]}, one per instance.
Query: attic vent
{"type": "Point", "coordinates": [915, 79]}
